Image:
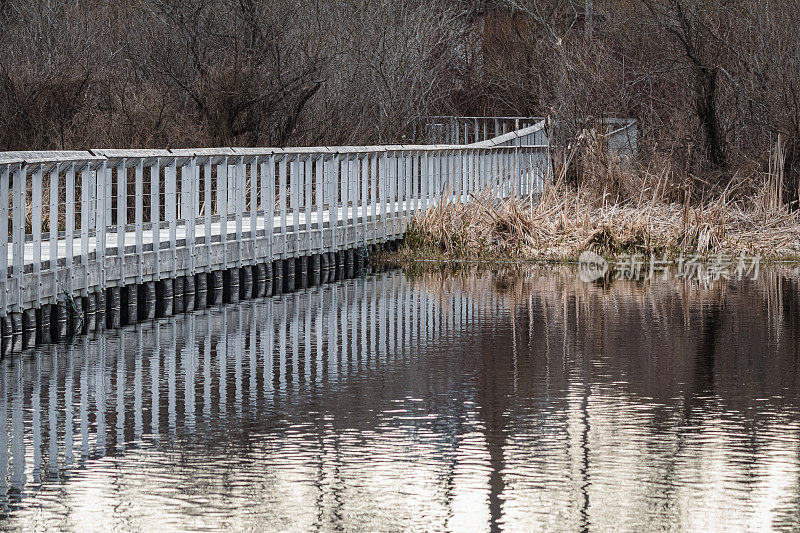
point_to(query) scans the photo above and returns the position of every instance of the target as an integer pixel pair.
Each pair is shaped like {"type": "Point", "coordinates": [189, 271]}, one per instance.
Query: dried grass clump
{"type": "Point", "coordinates": [613, 208]}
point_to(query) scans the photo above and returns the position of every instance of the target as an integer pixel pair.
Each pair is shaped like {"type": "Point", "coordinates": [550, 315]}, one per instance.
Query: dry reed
{"type": "Point", "coordinates": [612, 207]}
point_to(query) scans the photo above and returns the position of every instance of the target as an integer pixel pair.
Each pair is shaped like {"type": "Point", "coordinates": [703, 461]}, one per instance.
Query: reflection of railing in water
{"type": "Point", "coordinates": [68, 405]}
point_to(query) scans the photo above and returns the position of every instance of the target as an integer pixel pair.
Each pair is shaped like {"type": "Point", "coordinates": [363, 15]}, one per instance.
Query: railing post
{"type": "Point", "coordinates": [509, 156]}
{"type": "Point", "coordinates": [239, 198]}
{"type": "Point", "coordinates": [346, 176]}
{"type": "Point", "coordinates": [85, 201]}
{"type": "Point", "coordinates": [415, 159]}
{"type": "Point", "coordinates": [500, 170]}
{"type": "Point", "coordinates": [208, 210]}
{"type": "Point", "coordinates": [382, 178]}
{"type": "Point", "coordinates": [282, 198]}
{"type": "Point", "coordinates": [254, 167]}
{"type": "Point", "coordinates": [107, 198]}
{"type": "Point", "coordinates": [155, 215]}
{"type": "Point", "coordinates": [93, 198]}
{"type": "Point", "coordinates": [441, 175]}
{"type": "Point", "coordinates": [487, 170]}
{"type": "Point", "coordinates": [373, 198]}
{"type": "Point", "coordinates": [294, 192]}
{"type": "Point", "coordinates": [474, 161]}
{"type": "Point", "coordinates": [36, 233]}
{"type": "Point", "coordinates": [4, 178]}
{"type": "Point", "coordinates": [355, 186]}
{"type": "Point", "coordinates": [344, 171]}
{"type": "Point", "coordinates": [478, 170]}
{"type": "Point", "coordinates": [405, 204]}
{"type": "Point", "coordinates": [491, 172]}
{"type": "Point", "coordinates": [398, 191]}
{"type": "Point", "coordinates": [171, 207]}
{"type": "Point", "coordinates": [69, 227]}
{"type": "Point", "coordinates": [512, 165]}
{"type": "Point", "coordinates": [472, 173]}
{"type": "Point", "coordinates": [262, 185]}
{"type": "Point", "coordinates": [460, 171]}
{"type": "Point", "coordinates": [222, 202]}
{"type": "Point", "coordinates": [449, 166]}
{"type": "Point", "coordinates": [269, 204]}
{"type": "Point", "coordinates": [469, 173]}
{"type": "Point", "coordinates": [355, 196]}
{"type": "Point", "coordinates": [319, 194]}
{"type": "Point", "coordinates": [181, 198]}
{"type": "Point", "coordinates": [189, 192]}
{"type": "Point", "coordinates": [308, 202]}
{"type": "Point", "coordinates": [335, 182]}
{"type": "Point", "coordinates": [364, 196]}
{"type": "Point", "coordinates": [391, 179]}
{"type": "Point", "coordinates": [453, 173]}
{"type": "Point", "coordinates": [434, 177]}
{"type": "Point", "coordinates": [327, 183]}
{"type": "Point", "coordinates": [527, 167]}
{"type": "Point", "coordinates": [424, 178]}
{"type": "Point", "coordinates": [122, 205]}
{"type": "Point", "coordinates": [18, 230]}
{"type": "Point", "coordinates": [139, 217]}
{"type": "Point", "coordinates": [446, 186]}
{"type": "Point", "coordinates": [411, 180]}
{"type": "Point", "coordinates": [502, 167]}
{"type": "Point", "coordinates": [463, 176]}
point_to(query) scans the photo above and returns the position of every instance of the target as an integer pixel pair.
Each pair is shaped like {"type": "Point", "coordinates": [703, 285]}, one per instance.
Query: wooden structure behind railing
{"type": "Point", "coordinates": [458, 129]}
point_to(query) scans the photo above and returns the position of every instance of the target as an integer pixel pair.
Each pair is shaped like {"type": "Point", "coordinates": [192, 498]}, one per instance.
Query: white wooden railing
{"type": "Point", "coordinates": [81, 221]}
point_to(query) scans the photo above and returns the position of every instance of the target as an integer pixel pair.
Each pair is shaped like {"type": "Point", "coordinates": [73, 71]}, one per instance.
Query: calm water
{"type": "Point", "coordinates": [482, 401]}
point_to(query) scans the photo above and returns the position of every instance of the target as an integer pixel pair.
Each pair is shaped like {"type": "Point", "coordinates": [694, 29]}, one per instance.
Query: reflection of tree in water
{"type": "Point", "coordinates": [704, 345]}
{"type": "Point", "coordinates": [703, 371]}
{"type": "Point", "coordinates": [494, 390]}
{"type": "Point", "coordinates": [680, 326]}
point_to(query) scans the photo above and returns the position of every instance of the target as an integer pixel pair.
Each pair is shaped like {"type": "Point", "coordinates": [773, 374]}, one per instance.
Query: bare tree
{"type": "Point", "coordinates": [698, 29]}
{"type": "Point", "coordinates": [238, 66]}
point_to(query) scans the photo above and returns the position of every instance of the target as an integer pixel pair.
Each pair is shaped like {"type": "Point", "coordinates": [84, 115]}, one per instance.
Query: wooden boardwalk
{"type": "Point", "coordinates": [148, 233]}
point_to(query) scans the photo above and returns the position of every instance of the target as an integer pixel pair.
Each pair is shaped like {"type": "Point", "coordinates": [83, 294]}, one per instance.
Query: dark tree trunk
{"type": "Point", "coordinates": [714, 142]}
{"type": "Point", "coordinates": [791, 175]}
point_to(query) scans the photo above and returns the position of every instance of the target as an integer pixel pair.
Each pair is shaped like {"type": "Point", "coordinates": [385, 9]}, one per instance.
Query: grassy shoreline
{"type": "Point", "coordinates": [556, 229]}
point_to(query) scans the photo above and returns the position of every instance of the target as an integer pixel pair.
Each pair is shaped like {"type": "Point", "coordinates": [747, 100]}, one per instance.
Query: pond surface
{"type": "Point", "coordinates": [516, 400]}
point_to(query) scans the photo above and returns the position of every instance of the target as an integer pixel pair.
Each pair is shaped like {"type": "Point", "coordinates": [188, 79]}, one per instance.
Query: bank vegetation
{"type": "Point", "coordinates": [619, 207]}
